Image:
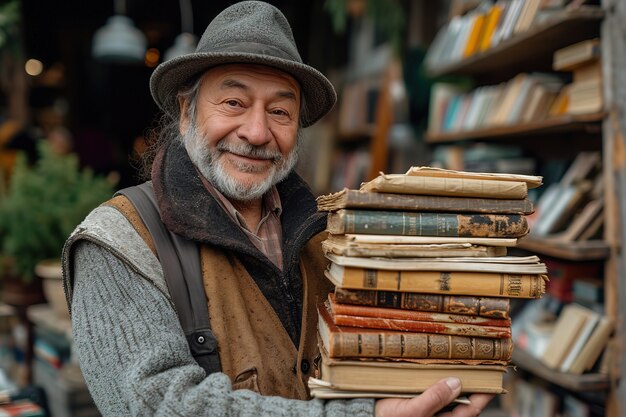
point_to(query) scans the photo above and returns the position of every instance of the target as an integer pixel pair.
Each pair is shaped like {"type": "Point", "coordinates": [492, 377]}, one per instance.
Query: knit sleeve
{"type": "Point", "coordinates": [135, 358]}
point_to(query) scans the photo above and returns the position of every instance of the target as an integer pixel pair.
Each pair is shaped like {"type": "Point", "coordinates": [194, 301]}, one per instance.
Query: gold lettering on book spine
{"type": "Point", "coordinates": [514, 285]}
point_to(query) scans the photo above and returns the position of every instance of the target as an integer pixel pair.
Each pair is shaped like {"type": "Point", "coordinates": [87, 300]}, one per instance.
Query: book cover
{"type": "Point", "coordinates": [410, 223]}
{"type": "Point", "coordinates": [532, 181]}
{"type": "Point", "coordinates": [509, 21]}
{"type": "Point", "coordinates": [476, 31]}
{"type": "Point", "coordinates": [527, 16]}
{"type": "Point", "coordinates": [495, 307]}
{"type": "Point", "coordinates": [424, 324]}
{"type": "Point", "coordinates": [454, 187]}
{"type": "Point", "coordinates": [407, 377]}
{"type": "Point", "coordinates": [491, 23]}
{"type": "Point", "coordinates": [421, 240]}
{"type": "Point", "coordinates": [324, 390]}
{"type": "Point", "coordinates": [342, 309]}
{"type": "Point", "coordinates": [352, 342]}
{"type": "Point", "coordinates": [566, 201]}
{"type": "Point", "coordinates": [594, 346]}
{"type": "Point", "coordinates": [437, 282]}
{"type": "Point", "coordinates": [567, 328]}
{"type": "Point", "coordinates": [575, 55]}
{"type": "Point", "coordinates": [344, 248]}
{"type": "Point", "coordinates": [581, 340]}
{"type": "Point", "coordinates": [357, 199]}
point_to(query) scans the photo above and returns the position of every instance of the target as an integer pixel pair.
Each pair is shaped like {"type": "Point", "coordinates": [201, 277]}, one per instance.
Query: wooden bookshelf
{"type": "Point", "coordinates": [589, 250]}
{"type": "Point", "coordinates": [532, 49]}
{"type": "Point", "coordinates": [583, 123]}
{"type": "Point", "coordinates": [577, 383]}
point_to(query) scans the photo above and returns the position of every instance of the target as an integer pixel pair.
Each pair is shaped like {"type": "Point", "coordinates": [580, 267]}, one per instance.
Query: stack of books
{"type": "Point", "coordinates": [423, 282]}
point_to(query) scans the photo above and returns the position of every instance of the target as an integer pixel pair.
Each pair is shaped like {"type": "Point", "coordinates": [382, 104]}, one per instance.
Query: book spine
{"type": "Point", "coordinates": [402, 314]}
{"type": "Point", "coordinates": [455, 283]}
{"type": "Point", "coordinates": [418, 346]}
{"type": "Point", "coordinates": [427, 224]}
{"type": "Point", "coordinates": [360, 199]}
{"type": "Point", "coordinates": [494, 307]}
{"type": "Point", "coordinates": [422, 326]}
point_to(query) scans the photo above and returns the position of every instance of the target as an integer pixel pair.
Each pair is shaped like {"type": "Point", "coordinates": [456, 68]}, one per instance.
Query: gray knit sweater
{"type": "Point", "coordinates": [131, 347]}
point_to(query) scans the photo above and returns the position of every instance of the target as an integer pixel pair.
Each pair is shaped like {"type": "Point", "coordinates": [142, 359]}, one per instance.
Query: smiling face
{"type": "Point", "coordinates": [243, 136]}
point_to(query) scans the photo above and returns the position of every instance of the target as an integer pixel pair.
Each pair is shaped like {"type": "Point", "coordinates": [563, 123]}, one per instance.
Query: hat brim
{"type": "Point", "coordinates": [169, 77]}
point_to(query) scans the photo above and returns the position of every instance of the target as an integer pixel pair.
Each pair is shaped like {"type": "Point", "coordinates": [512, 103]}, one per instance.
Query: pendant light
{"type": "Point", "coordinates": [185, 42]}
{"type": "Point", "coordinates": [119, 40]}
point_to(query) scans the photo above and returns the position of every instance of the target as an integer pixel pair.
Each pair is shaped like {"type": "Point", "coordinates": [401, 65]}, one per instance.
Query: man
{"type": "Point", "coordinates": [222, 176]}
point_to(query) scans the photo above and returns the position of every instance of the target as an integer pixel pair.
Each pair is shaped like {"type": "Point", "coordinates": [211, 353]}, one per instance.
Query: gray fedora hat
{"type": "Point", "coordinates": [251, 32]}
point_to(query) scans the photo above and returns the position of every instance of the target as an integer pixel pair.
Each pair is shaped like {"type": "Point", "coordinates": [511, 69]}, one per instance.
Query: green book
{"type": "Point", "coordinates": [405, 223]}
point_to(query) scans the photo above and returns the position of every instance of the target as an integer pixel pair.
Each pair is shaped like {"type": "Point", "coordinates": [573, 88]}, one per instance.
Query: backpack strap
{"type": "Point", "coordinates": [180, 260]}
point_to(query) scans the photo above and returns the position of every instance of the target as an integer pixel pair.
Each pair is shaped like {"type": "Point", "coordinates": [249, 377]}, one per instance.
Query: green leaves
{"type": "Point", "coordinates": [44, 204]}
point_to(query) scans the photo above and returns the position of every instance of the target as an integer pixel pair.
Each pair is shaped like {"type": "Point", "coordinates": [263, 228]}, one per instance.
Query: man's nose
{"type": "Point", "coordinates": [255, 127]}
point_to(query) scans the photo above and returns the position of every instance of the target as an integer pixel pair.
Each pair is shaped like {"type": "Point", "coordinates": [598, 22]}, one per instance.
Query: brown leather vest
{"type": "Point", "coordinates": [255, 350]}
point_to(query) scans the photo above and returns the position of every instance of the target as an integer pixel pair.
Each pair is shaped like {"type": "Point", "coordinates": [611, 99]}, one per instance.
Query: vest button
{"type": "Point", "coordinates": [200, 339]}
{"type": "Point", "coordinates": [305, 366]}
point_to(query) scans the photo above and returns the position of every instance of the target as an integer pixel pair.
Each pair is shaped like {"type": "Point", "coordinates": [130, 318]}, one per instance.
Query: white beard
{"type": "Point", "coordinates": [208, 162]}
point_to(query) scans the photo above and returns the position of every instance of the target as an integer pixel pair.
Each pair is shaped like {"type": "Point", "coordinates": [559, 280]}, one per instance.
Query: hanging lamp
{"type": "Point", "coordinates": [185, 42]}
{"type": "Point", "coordinates": [119, 40]}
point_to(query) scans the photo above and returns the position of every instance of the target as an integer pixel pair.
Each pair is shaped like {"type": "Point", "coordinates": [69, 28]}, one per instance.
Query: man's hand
{"type": "Point", "coordinates": [431, 401]}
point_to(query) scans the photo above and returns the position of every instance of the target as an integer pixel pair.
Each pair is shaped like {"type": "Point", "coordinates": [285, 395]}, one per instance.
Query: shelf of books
{"type": "Point", "coordinates": [505, 47]}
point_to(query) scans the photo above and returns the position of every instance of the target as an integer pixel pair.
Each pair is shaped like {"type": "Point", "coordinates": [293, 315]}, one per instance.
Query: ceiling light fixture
{"type": "Point", "coordinates": [185, 43]}
{"type": "Point", "coordinates": [119, 40]}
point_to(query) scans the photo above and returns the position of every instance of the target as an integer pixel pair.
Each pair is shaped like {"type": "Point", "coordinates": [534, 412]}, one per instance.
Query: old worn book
{"type": "Point", "coordinates": [593, 347]}
{"type": "Point", "coordinates": [436, 282]}
{"type": "Point", "coordinates": [352, 238]}
{"type": "Point", "coordinates": [569, 325]}
{"type": "Point", "coordinates": [496, 307]}
{"type": "Point", "coordinates": [349, 198]}
{"type": "Point", "coordinates": [346, 248]}
{"type": "Point", "coordinates": [576, 55]}
{"type": "Point", "coordinates": [408, 223]}
{"type": "Point", "coordinates": [407, 377]}
{"type": "Point", "coordinates": [350, 342]}
{"type": "Point", "coordinates": [324, 390]}
{"type": "Point", "coordinates": [454, 187]}
{"type": "Point", "coordinates": [581, 340]}
{"type": "Point", "coordinates": [507, 264]}
{"type": "Point", "coordinates": [531, 181]}
{"type": "Point", "coordinates": [422, 322]}
{"type": "Point", "coordinates": [341, 309]}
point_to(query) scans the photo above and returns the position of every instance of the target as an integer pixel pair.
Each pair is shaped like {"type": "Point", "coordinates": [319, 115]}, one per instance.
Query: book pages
{"type": "Point", "coordinates": [532, 181]}
{"type": "Point", "coordinates": [504, 264]}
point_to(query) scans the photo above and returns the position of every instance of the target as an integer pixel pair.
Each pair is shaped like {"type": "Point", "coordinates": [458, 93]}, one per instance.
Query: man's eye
{"type": "Point", "coordinates": [279, 112]}
{"type": "Point", "coordinates": [232, 103]}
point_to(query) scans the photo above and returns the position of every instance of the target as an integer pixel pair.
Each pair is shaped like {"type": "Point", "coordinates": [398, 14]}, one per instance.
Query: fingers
{"type": "Point", "coordinates": [427, 404]}
{"type": "Point", "coordinates": [478, 402]}
{"type": "Point", "coordinates": [439, 395]}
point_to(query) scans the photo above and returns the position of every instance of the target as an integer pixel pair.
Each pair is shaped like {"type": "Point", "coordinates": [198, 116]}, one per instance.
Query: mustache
{"type": "Point", "coordinates": [251, 151]}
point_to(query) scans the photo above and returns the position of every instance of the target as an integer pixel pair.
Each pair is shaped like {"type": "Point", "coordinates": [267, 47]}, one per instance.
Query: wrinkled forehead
{"type": "Point", "coordinates": [253, 75]}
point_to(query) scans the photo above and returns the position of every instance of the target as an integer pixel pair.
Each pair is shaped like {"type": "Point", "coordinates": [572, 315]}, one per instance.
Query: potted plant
{"type": "Point", "coordinates": [43, 204]}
